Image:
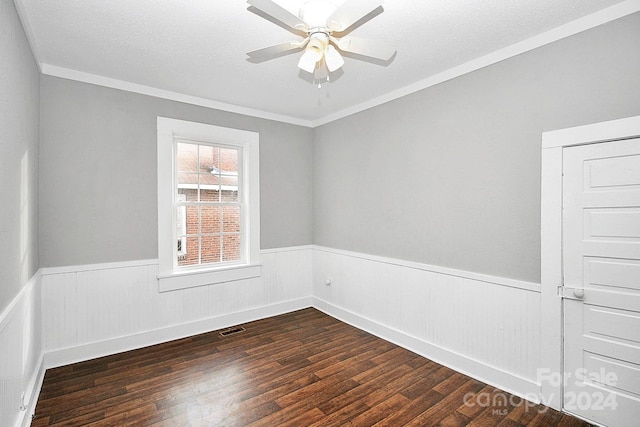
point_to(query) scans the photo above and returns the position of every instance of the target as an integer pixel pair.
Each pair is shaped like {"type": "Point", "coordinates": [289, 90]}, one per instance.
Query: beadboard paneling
{"type": "Point", "coordinates": [488, 330]}
{"type": "Point", "coordinates": [112, 308]}
{"type": "Point", "coordinates": [485, 327]}
{"type": "Point", "coordinates": [20, 355]}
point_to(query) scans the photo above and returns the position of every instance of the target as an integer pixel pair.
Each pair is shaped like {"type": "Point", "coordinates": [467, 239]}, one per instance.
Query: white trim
{"type": "Point", "coordinates": [93, 267]}
{"type": "Point", "coordinates": [588, 134]}
{"type": "Point", "coordinates": [192, 278]}
{"type": "Point", "coordinates": [585, 23]}
{"type": "Point", "coordinates": [137, 263]}
{"type": "Point", "coordinates": [33, 392]}
{"type": "Point", "coordinates": [28, 31]}
{"type": "Point", "coordinates": [286, 249]}
{"type": "Point", "coordinates": [98, 80]}
{"type": "Point", "coordinates": [93, 350]}
{"type": "Point", "coordinates": [579, 25]}
{"type": "Point", "coordinates": [481, 371]}
{"type": "Point", "coordinates": [551, 271]}
{"type": "Point", "coordinates": [34, 382]}
{"type": "Point", "coordinates": [501, 281]}
{"type": "Point", "coordinates": [8, 312]}
{"type": "Point", "coordinates": [209, 187]}
{"type": "Point", "coordinates": [552, 145]}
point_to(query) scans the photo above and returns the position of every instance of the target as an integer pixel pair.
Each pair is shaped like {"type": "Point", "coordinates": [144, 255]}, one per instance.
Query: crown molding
{"type": "Point", "coordinates": [80, 76]}
{"type": "Point", "coordinates": [585, 23]}
{"type": "Point", "coordinates": [28, 31]}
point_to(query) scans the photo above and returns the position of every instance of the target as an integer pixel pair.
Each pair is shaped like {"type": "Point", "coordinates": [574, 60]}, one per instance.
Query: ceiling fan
{"type": "Point", "coordinates": [325, 27]}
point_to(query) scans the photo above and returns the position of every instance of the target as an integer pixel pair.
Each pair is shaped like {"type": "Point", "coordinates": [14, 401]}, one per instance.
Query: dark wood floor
{"type": "Point", "coordinates": [299, 369]}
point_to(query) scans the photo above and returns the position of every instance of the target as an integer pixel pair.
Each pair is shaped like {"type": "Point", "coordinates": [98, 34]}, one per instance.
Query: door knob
{"type": "Point", "coordinates": [578, 293]}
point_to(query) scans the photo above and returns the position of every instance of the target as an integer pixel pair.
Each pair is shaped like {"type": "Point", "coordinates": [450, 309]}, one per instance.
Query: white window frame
{"type": "Point", "coordinates": [172, 278]}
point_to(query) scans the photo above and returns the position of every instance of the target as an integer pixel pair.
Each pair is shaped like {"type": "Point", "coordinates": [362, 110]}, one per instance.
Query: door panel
{"type": "Point", "coordinates": [616, 325]}
{"type": "Point", "coordinates": [612, 224]}
{"type": "Point", "coordinates": [601, 257]}
{"type": "Point", "coordinates": [613, 172]}
{"type": "Point", "coordinates": [612, 273]}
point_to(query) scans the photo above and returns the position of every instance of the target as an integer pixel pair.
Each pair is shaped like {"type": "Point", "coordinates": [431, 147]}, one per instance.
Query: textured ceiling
{"type": "Point", "coordinates": [198, 47]}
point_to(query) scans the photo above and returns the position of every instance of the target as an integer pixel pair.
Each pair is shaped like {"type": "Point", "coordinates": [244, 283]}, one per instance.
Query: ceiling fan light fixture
{"type": "Point", "coordinates": [308, 61]}
{"type": "Point", "coordinates": [332, 58]}
{"type": "Point", "coordinates": [314, 52]}
{"type": "Point", "coordinates": [326, 26]}
{"type": "Point", "coordinates": [316, 46]}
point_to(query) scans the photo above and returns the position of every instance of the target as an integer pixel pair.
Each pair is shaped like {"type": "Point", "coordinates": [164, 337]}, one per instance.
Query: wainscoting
{"type": "Point", "coordinates": [92, 311]}
{"type": "Point", "coordinates": [486, 327]}
{"type": "Point", "coordinates": [21, 367]}
{"type": "Point", "coordinates": [69, 314]}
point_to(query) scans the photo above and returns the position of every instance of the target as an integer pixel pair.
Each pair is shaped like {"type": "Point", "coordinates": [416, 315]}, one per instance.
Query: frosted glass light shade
{"type": "Point", "coordinates": [332, 58]}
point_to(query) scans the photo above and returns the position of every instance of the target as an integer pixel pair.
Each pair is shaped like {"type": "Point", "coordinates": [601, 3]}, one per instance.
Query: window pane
{"type": "Point", "coordinates": [229, 174]}
{"type": "Point", "coordinates": [192, 220]}
{"type": "Point", "coordinates": [191, 256]}
{"type": "Point", "coordinates": [187, 180]}
{"type": "Point", "coordinates": [181, 218]}
{"type": "Point", "coordinates": [231, 219]}
{"type": "Point", "coordinates": [187, 195]}
{"type": "Point", "coordinates": [229, 163]}
{"type": "Point", "coordinates": [231, 247]}
{"type": "Point", "coordinates": [182, 246]}
{"type": "Point", "coordinates": [210, 193]}
{"type": "Point", "coordinates": [210, 249]}
{"type": "Point", "coordinates": [187, 157]}
{"type": "Point", "coordinates": [229, 194]}
{"type": "Point", "coordinates": [188, 185]}
{"type": "Point", "coordinates": [210, 219]}
{"type": "Point", "coordinates": [206, 175]}
{"type": "Point", "coordinates": [209, 159]}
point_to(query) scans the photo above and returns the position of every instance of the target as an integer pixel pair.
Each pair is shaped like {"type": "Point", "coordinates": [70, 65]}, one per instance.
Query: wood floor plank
{"type": "Point", "coordinates": [299, 369]}
{"type": "Point", "coordinates": [392, 405]}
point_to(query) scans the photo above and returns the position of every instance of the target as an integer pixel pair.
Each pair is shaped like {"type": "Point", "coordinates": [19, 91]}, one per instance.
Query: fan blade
{"type": "Point", "coordinates": [332, 58]}
{"type": "Point", "coordinates": [350, 13]}
{"type": "Point", "coordinates": [366, 47]}
{"type": "Point", "coordinates": [277, 49]}
{"type": "Point", "coordinates": [278, 12]}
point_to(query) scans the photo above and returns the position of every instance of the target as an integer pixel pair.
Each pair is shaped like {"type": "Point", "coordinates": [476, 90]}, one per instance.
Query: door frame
{"type": "Point", "coordinates": [551, 327]}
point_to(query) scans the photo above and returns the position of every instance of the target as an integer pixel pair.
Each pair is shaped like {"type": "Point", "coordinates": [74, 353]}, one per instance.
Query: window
{"type": "Point", "coordinates": [208, 204]}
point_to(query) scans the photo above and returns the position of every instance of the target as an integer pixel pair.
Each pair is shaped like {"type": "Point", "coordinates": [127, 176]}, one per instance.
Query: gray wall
{"type": "Point", "coordinates": [451, 175]}
{"type": "Point", "coordinates": [19, 95]}
{"type": "Point", "coordinates": [98, 170]}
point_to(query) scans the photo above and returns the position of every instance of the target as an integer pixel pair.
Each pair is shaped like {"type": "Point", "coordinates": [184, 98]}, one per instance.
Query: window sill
{"type": "Point", "coordinates": [194, 278]}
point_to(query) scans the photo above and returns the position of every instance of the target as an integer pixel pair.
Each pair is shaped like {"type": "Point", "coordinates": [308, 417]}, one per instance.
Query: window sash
{"type": "Point", "coordinates": [200, 203]}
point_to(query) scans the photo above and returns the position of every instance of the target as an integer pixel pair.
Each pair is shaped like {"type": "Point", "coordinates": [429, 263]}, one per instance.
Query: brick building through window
{"type": "Point", "coordinates": [209, 213]}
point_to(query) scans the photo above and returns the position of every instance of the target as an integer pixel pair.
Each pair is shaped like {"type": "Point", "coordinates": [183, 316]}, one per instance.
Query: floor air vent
{"type": "Point", "coordinates": [232, 331]}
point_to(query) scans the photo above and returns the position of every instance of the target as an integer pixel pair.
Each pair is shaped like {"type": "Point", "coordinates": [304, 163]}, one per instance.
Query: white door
{"type": "Point", "coordinates": [601, 269]}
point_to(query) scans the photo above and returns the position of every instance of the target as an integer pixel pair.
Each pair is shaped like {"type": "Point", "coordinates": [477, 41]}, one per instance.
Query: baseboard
{"type": "Point", "coordinates": [481, 371]}
{"type": "Point", "coordinates": [34, 387]}
{"type": "Point", "coordinates": [66, 356]}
